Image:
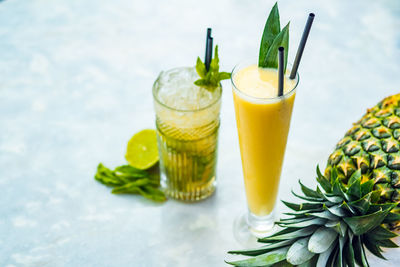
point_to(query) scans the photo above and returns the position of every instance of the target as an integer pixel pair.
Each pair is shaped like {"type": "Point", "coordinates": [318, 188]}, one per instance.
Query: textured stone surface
{"type": "Point", "coordinates": [75, 84]}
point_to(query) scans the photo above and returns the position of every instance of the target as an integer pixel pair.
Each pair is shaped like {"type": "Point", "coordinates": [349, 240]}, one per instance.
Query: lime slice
{"type": "Point", "coordinates": [142, 150]}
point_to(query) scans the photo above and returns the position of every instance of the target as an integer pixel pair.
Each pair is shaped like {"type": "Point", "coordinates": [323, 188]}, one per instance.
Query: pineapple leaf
{"type": "Point", "coordinates": [306, 223]}
{"type": "Point", "coordinates": [362, 204]}
{"type": "Point", "coordinates": [302, 213]}
{"type": "Point", "coordinates": [334, 175]}
{"type": "Point", "coordinates": [294, 220]}
{"type": "Point", "coordinates": [348, 207]}
{"type": "Point", "coordinates": [295, 234]}
{"type": "Point", "coordinates": [325, 184]}
{"type": "Point", "coordinates": [373, 248]}
{"type": "Point", "coordinates": [359, 254]}
{"type": "Point", "coordinates": [321, 240]}
{"type": "Point", "coordinates": [354, 177]}
{"type": "Point", "coordinates": [309, 192]}
{"type": "Point", "coordinates": [387, 243]}
{"type": "Point", "coordinates": [283, 263]}
{"type": "Point", "coordinates": [392, 217]}
{"type": "Point", "coordinates": [298, 252]}
{"type": "Point", "coordinates": [324, 257]}
{"type": "Point", "coordinates": [295, 216]}
{"type": "Point", "coordinates": [293, 206]}
{"type": "Point", "coordinates": [337, 189]}
{"type": "Point", "coordinates": [263, 249]}
{"type": "Point", "coordinates": [339, 259]}
{"type": "Point", "coordinates": [336, 210]}
{"type": "Point", "coordinates": [381, 233]}
{"type": "Point", "coordinates": [319, 174]}
{"type": "Point", "coordinates": [319, 191]}
{"type": "Point", "coordinates": [332, 224]}
{"type": "Point", "coordinates": [349, 253]}
{"type": "Point", "coordinates": [266, 259]}
{"type": "Point", "coordinates": [310, 199]}
{"type": "Point", "coordinates": [337, 226]}
{"type": "Point", "coordinates": [310, 263]}
{"type": "Point", "coordinates": [284, 231]}
{"type": "Point", "coordinates": [362, 224]}
{"type": "Point", "coordinates": [332, 257]}
{"type": "Point", "coordinates": [376, 207]}
{"type": "Point", "coordinates": [375, 196]}
{"type": "Point", "coordinates": [367, 187]}
{"type": "Point", "coordinates": [343, 228]}
{"type": "Point", "coordinates": [333, 199]}
{"type": "Point", "coordinates": [324, 215]}
{"type": "Point", "coordinates": [302, 206]}
{"type": "Point", "coordinates": [355, 188]}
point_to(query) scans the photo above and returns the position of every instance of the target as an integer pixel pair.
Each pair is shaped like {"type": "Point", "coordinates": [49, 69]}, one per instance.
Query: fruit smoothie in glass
{"type": "Point", "coordinates": [187, 121]}
{"type": "Point", "coordinates": [263, 120]}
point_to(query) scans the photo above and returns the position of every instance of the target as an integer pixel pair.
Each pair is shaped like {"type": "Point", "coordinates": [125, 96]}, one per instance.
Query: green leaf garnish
{"type": "Point", "coordinates": [272, 39]}
{"type": "Point", "coordinates": [271, 30]}
{"type": "Point", "coordinates": [128, 180]}
{"type": "Point", "coordinates": [210, 79]}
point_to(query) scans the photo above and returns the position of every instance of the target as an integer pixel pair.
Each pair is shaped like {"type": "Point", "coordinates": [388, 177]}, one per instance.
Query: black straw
{"type": "Point", "coordinates": [281, 52]}
{"type": "Point", "coordinates": [209, 47]}
{"type": "Point", "coordinates": [302, 45]}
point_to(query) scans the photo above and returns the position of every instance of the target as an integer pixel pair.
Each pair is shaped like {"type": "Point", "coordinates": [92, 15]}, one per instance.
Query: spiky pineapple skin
{"type": "Point", "coordinates": [373, 145]}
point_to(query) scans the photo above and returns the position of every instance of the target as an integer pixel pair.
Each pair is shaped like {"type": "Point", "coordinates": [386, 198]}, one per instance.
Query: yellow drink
{"type": "Point", "coordinates": [263, 121]}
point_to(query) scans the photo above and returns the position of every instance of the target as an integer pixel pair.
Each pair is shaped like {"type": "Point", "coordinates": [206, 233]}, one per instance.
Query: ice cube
{"type": "Point", "coordinates": [176, 89]}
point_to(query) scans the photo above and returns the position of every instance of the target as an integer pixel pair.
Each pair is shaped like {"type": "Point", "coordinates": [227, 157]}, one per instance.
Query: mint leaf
{"type": "Point", "coordinates": [224, 76]}
{"type": "Point", "coordinates": [201, 68]}
{"type": "Point", "coordinates": [153, 193]}
{"type": "Point", "coordinates": [214, 65]}
{"type": "Point", "coordinates": [128, 180]}
{"type": "Point", "coordinates": [201, 82]}
{"type": "Point", "coordinates": [271, 30]}
{"type": "Point", "coordinates": [282, 39]}
{"type": "Point", "coordinates": [210, 79]}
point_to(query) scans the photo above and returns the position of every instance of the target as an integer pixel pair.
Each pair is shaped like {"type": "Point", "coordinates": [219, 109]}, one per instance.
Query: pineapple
{"type": "Point", "coordinates": [354, 207]}
{"type": "Point", "coordinates": [372, 145]}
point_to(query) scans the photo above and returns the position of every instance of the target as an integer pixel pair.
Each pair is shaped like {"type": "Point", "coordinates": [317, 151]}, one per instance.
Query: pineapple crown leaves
{"type": "Point", "coordinates": [210, 79]}
{"type": "Point", "coordinates": [333, 226]}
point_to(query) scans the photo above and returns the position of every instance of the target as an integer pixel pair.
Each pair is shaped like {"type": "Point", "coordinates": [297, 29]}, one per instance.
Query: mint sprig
{"type": "Point", "coordinates": [273, 37]}
{"type": "Point", "coordinates": [210, 79]}
{"type": "Point", "coordinates": [128, 180]}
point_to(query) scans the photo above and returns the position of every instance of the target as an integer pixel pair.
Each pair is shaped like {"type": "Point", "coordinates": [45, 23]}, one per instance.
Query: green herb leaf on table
{"type": "Point", "coordinates": [272, 39]}
{"type": "Point", "coordinates": [128, 180]}
{"type": "Point", "coordinates": [210, 79]}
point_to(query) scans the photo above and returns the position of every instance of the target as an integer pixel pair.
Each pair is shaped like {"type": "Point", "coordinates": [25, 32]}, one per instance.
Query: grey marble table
{"type": "Point", "coordinates": [75, 84]}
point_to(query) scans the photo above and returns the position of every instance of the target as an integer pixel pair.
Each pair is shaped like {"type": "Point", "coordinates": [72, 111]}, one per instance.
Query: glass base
{"type": "Point", "coordinates": [192, 193]}
{"type": "Point", "coordinates": [247, 228]}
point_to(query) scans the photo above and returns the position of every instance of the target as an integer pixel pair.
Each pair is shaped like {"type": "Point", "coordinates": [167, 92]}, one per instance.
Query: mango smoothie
{"type": "Point", "coordinates": [263, 121]}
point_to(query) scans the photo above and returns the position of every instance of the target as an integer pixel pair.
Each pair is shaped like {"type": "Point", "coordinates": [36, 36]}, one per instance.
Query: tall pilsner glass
{"type": "Point", "coordinates": [263, 120]}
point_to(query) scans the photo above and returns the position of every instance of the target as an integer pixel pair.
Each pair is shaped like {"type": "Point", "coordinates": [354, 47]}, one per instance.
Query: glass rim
{"type": "Point", "coordinates": [261, 99]}
{"type": "Point", "coordinates": [155, 97]}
